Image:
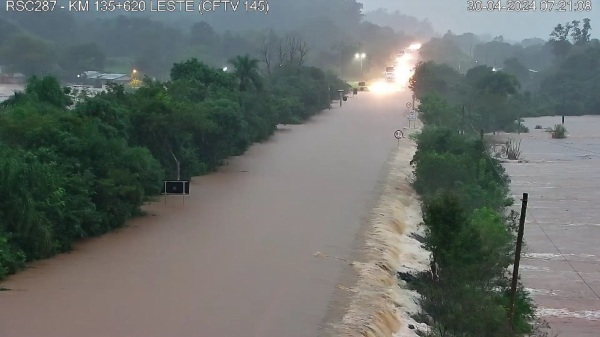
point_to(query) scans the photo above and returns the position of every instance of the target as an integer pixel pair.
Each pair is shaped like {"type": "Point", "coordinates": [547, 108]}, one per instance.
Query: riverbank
{"type": "Point", "coordinates": [561, 260]}
{"type": "Point", "coordinates": [380, 305]}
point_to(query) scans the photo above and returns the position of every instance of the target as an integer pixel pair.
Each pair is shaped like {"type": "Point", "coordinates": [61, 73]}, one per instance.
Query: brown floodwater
{"type": "Point", "coordinates": [237, 256]}
{"type": "Point", "coordinates": [561, 262]}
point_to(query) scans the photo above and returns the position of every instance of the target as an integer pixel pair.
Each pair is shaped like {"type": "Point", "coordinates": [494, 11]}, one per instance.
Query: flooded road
{"type": "Point", "coordinates": [238, 257]}
{"type": "Point", "coordinates": [561, 261]}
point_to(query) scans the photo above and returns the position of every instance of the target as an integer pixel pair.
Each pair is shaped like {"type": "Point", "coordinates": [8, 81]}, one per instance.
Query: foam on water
{"type": "Point", "coordinates": [558, 257]}
{"type": "Point", "coordinates": [591, 315]}
{"type": "Point", "coordinates": [381, 305]}
{"type": "Point", "coordinates": [546, 292]}
{"type": "Point", "coordinates": [525, 267]}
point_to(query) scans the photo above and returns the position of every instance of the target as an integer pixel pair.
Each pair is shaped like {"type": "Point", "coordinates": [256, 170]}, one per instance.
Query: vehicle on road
{"type": "Point", "coordinates": [390, 75]}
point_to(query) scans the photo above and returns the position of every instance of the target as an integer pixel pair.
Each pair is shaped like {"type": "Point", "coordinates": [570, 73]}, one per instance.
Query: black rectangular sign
{"type": "Point", "coordinates": [176, 187]}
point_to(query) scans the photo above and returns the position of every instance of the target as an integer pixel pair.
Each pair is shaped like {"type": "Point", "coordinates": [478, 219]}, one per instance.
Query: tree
{"type": "Point", "coordinates": [514, 67]}
{"type": "Point", "coordinates": [268, 45]}
{"type": "Point", "coordinates": [246, 70]}
{"type": "Point", "coordinates": [559, 40]}
{"type": "Point", "coordinates": [296, 49]}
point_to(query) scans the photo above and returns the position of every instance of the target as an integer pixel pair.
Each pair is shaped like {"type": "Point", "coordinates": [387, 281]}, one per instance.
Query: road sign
{"type": "Point", "coordinates": [412, 116]}
{"type": "Point", "coordinates": [176, 187]}
{"type": "Point", "coordinates": [409, 105]}
{"type": "Point", "coordinates": [399, 134]}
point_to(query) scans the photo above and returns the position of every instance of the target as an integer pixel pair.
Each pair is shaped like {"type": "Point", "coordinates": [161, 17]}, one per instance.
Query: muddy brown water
{"type": "Point", "coordinates": [238, 257]}
{"type": "Point", "coordinates": [561, 262]}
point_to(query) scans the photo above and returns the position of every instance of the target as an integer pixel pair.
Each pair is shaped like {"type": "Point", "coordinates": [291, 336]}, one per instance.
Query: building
{"type": "Point", "coordinates": [12, 78]}
{"type": "Point", "coordinates": [103, 79]}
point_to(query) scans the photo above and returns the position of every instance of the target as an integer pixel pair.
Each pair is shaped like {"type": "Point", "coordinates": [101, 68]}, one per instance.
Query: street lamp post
{"type": "Point", "coordinates": [361, 57]}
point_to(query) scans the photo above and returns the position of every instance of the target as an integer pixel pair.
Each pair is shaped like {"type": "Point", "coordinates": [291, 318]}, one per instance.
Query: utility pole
{"type": "Point", "coordinates": [563, 102]}
{"type": "Point", "coordinates": [462, 127]}
{"type": "Point", "coordinates": [519, 117]}
{"type": "Point", "coordinates": [515, 276]}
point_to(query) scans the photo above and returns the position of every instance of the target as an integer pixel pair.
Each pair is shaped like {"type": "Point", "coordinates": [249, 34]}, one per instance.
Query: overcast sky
{"type": "Point", "coordinates": [453, 15]}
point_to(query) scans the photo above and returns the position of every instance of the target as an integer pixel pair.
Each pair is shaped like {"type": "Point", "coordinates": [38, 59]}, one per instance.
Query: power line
{"type": "Point", "coordinates": [539, 225]}
{"type": "Point", "coordinates": [562, 255]}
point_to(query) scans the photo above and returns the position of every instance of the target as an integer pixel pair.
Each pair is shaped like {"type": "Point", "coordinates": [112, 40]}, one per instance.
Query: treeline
{"type": "Point", "coordinates": [470, 233]}
{"type": "Point", "coordinates": [70, 171]}
{"type": "Point", "coordinates": [480, 99]}
{"type": "Point", "coordinates": [66, 44]}
{"type": "Point", "coordinates": [558, 76]}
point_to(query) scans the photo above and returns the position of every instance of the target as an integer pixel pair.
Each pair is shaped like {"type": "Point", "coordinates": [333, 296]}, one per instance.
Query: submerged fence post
{"type": "Point", "coordinates": [515, 276]}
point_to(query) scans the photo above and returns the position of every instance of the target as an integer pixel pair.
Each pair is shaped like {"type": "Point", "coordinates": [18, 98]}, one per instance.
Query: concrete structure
{"type": "Point", "coordinates": [12, 78]}
{"type": "Point", "coordinates": [102, 78]}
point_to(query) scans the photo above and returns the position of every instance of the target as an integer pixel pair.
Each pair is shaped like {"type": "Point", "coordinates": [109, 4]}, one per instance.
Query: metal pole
{"type": "Point", "coordinates": [165, 193]}
{"type": "Point", "coordinates": [519, 127]}
{"type": "Point", "coordinates": [361, 66]}
{"type": "Point", "coordinates": [515, 276]}
{"type": "Point", "coordinates": [462, 131]}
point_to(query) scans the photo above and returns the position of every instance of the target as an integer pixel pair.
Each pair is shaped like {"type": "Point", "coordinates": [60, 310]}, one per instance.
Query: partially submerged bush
{"type": "Point", "coordinates": [513, 149]}
{"type": "Point", "coordinates": [559, 131]}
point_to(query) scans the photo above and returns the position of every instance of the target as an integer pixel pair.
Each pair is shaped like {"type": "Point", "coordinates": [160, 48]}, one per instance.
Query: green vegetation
{"type": "Point", "coordinates": [469, 228]}
{"type": "Point", "coordinates": [471, 237]}
{"type": "Point", "coordinates": [66, 44]}
{"type": "Point", "coordinates": [70, 171]}
{"type": "Point", "coordinates": [556, 77]}
{"type": "Point", "coordinates": [559, 131]}
{"type": "Point", "coordinates": [480, 99]}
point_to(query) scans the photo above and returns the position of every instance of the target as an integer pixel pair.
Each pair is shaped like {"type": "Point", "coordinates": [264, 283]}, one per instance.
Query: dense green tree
{"type": "Point", "coordinates": [246, 70]}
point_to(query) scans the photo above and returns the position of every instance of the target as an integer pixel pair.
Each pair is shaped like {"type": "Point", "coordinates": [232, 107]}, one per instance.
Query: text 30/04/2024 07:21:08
{"type": "Point", "coordinates": [136, 5]}
{"type": "Point", "coordinates": [529, 6]}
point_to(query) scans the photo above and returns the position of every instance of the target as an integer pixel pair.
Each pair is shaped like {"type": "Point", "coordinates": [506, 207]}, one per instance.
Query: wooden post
{"type": "Point", "coordinates": [515, 276]}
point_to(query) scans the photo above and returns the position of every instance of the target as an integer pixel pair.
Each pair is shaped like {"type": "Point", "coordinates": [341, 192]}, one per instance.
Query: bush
{"type": "Point", "coordinates": [470, 236]}
{"type": "Point", "coordinates": [559, 131]}
{"type": "Point", "coordinates": [70, 171]}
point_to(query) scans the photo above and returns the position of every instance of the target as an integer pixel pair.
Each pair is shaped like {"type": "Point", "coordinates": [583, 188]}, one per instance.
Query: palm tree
{"type": "Point", "coordinates": [246, 70]}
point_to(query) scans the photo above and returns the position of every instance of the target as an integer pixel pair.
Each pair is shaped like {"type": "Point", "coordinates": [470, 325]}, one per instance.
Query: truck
{"type": "Point", "coordinates": [389, 74]}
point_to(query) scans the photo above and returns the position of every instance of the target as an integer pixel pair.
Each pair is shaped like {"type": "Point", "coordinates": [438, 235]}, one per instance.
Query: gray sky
{"type": "Point", "coordinates": [453, 15]}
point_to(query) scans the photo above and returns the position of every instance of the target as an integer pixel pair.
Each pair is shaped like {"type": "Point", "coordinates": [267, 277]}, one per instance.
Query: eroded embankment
{"type": "Point", "coordinates": [381, 305]}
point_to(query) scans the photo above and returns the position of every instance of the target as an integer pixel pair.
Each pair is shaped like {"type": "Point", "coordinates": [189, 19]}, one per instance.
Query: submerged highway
{"type": "Point", "coordinates": [237, 258]}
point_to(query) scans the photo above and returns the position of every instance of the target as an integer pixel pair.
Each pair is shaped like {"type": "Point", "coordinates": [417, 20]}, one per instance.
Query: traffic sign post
{"type": "Point", "coordinates": [398, 134]}
{"type": "Point", "coordinates": [412, 117]}
{"type": "Point", "coordinates": [176, 187]}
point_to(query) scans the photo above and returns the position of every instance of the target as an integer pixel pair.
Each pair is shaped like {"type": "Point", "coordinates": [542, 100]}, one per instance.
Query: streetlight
{"type": "Point", "coordinates": [224, 68]}
{"type": "Point", "coordinates": [361, 57]}
{"type": "Point", "coordinates": [135, 83]}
